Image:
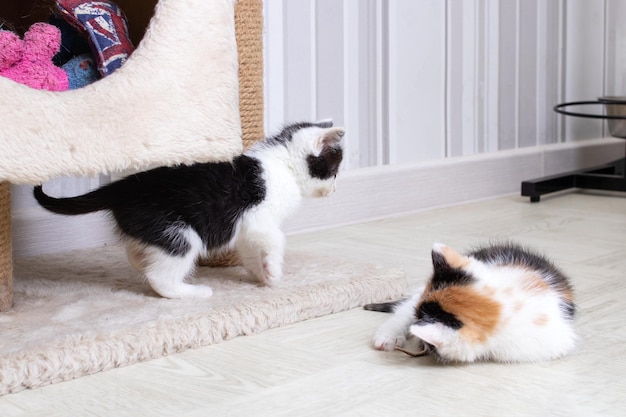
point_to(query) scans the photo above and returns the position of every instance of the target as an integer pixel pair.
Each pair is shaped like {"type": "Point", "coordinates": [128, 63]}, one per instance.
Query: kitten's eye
{"type": "Point", "coordinates": [430, 348]}
{"type": "Point", "coordinates": [431, 312]}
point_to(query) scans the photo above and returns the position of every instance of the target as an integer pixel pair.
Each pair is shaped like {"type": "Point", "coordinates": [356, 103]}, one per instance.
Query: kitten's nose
{"type": "Point", "coordinates": [326, 191]}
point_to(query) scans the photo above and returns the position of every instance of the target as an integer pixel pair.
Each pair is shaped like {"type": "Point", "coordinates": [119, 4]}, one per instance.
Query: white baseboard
{"type": "Point", "coordinates": [373, 193]}
{"type": "Point", "coordinates": [36, 232]}
{"type": "Point", "coordinates": [362, 194]}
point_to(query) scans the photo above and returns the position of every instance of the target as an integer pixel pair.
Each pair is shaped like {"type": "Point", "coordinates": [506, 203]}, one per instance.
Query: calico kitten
{"type": "Point", "coordinates": [500, 302]}
{"type": "Point", "coordinates": [170, 216]}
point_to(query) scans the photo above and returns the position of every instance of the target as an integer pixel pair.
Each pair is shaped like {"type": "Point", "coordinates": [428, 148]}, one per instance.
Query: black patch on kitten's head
{"type": "Point", "coordinates": [326, 165]}
{"type": "Point", "coordinates": [431, 312]}
{"type": "Point", "coordinates": [445, 275]}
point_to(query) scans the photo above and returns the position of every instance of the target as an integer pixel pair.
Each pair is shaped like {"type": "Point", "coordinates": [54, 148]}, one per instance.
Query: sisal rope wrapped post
{"type": "Point", "coordinates": [249, 35]}
{"type": "Point", "coordinates": [6, 250]}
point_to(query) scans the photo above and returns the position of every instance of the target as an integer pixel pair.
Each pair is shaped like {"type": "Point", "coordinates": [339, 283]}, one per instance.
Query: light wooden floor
{"type": "Point", "coordinates": [326, 367]}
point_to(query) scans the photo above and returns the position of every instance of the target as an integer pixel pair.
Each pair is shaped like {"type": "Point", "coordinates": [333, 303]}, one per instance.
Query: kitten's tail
{"type": "Point", "coordinates": [82, 204]}
{"type": "Point", "coordinates": [387, 307]}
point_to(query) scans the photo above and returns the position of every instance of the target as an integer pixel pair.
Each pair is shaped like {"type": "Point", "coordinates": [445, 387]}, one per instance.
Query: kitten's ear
{"type": "Point", "coordinates": [325, 123]}
{"type": "Point", "coordinates": [431, 333]}
{"type": "Point", "coordinates": [444, 257]}
{"type": "Point", "coordinates": [331, 138]}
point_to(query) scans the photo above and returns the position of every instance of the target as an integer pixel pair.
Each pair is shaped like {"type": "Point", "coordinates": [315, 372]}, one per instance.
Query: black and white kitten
{"type": "Point", "coordinates": [171, 216]}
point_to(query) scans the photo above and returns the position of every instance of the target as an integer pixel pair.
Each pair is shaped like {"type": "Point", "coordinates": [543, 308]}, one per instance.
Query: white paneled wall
{"type": "Point", "coordinates": [428, 91]}
{"type": "Point", "coordinates": [421, 80]}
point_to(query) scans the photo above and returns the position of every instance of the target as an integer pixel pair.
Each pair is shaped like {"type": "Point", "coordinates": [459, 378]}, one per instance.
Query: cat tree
{"type": "Point", "coordinates": [194, 88]}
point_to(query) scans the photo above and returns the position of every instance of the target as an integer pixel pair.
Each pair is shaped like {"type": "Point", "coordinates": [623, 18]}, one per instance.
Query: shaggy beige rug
{"type": "Point", "coordinates": [88, 311]}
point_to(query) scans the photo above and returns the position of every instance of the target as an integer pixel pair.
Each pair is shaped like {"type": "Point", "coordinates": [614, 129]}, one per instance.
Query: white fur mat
{"type": "Point", "coordinates": [87, 311]}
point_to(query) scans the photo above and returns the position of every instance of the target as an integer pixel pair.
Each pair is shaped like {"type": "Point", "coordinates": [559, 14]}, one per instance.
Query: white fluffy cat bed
{"type": "Point", "coordinates": [185, 93]}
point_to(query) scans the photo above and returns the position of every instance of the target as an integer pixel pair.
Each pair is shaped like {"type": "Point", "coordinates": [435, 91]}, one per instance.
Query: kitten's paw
{"type": "Point", "coordinates": [271, 273]}
{"type": "Point", "coordinates": [388, 342]}
{"type": "Point", "coordinates": [184, 291]}
{"type": "Point", "coordinates": [201, 291]}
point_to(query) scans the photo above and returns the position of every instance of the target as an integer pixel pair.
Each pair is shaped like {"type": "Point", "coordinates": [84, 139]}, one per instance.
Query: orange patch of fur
{"type": "Point", "coordinates": [454, 259]}
{"type": "Point", "coordinates": [533, 282]}
{"type": "Point", "coordinates": [479, 314]}
{"type": "Point", "coordinates": [567, 294]}
{"type": "Point", "coordinates": [542, 320]}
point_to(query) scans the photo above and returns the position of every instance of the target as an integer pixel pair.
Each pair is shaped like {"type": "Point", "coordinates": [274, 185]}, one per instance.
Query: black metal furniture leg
{"type": "Point", "coordinates": [611, 177]}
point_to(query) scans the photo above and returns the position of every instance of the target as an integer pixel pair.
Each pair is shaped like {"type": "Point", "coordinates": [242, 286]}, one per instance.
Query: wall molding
{"type": "Point", "coordinates": [362, 194]}
{"type": "Point", "coordinates": [377, 192]}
